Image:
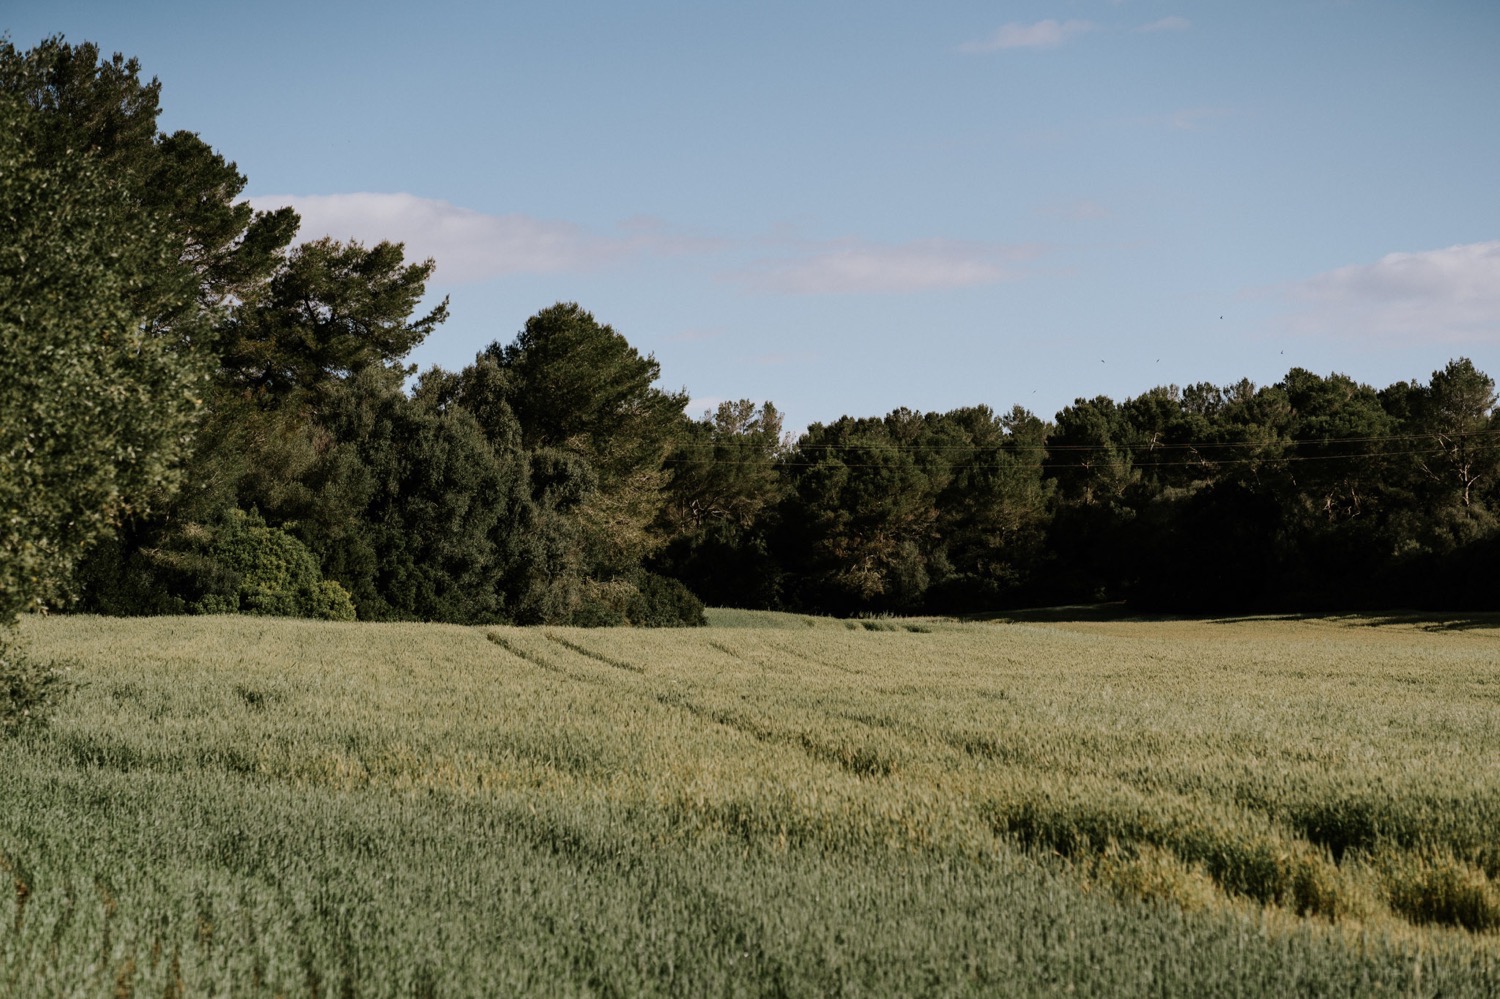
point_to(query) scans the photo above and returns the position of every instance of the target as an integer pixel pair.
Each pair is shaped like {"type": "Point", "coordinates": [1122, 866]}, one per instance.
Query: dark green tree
{"type": "Point", "coordinates": [95, 404]}
{"type": "Point", "coordinates": [1088, 452]}
{"type": "Point", "coordinates": [724, 468]}
{"type": "Point", "coordinates": [1456, 420]}
{"type": "Point", "coordinates": [859, 522]}
{"type": "Point", "coordinates": [724, 488]}
{"type": "Point", "coordinates": [1339, 432]}
{"type": "Point", "coordinates": [83, 106]}
{"type": "Point", "coordinates": [993, 511]}
{"type": "Point", "coordinates": [582, 393]}
{"type": "Point", "coordinates": [437, 499]}
{"type": "Point", "coordinates": [577, 382]}
{"type": "Point", "coordinates": [330, 311]}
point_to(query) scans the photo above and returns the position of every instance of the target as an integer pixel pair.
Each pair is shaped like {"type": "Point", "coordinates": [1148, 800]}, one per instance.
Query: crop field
{"type": "Point", "coordinates": [773, 805]}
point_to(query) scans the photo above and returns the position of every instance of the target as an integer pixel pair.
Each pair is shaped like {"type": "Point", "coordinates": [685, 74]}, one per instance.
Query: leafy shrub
{"type": "Point", "coordinates": [120, 580]}
{"type": "Point", "coordinates": [596, 614]}
{"type": "Point", "coordinates": [651, 602]}
{"type": "Point", "coordinates": [29, 689]}
{"type": "Point", "coordinates": [666, 603]}
{"type": "Point", "coordinates": [602, 605]}
{"type": "Point", "coordinates": [331, 602]}
{"type": "Point", "coordinates": [270, 572]}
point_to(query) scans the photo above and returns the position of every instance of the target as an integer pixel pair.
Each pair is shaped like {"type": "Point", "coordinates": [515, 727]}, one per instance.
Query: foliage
{"type": "Point", "coordinates": [578, 388]}
{"type": "Point", "coordinates": [440, 497]}
{"type": "Point", "coordinates": [666, 603]}
{"type": "Point", "coordinates": [912, 510]}
{"type": "Point", "coordinates": [270, 572]}
{"type": "Point", "coordinates": [331, 310]}
{"type": "Point", "coordinates": [1088, 453]}
{"type": "Point", "coordinates": [1315, 492]}
{"type": "Point", "coordinates": [724, 468]}
{"type": "Point", "coordinates": [29, 688]}
{"type": "Point", "coordinates": [576, 383]}
{"type": "Point", "coordinates": [94, 403]}
{"type": "Point", "coordinates": [1455, 411]}
{"type": "Point", "coordinates": [649, 601]}
{"type": "Point", "coordinates": [721, 503]}
{"type": "Point", "coordinates": [82, 107]}
{"type": "Point", "coordinates": [157, 333]}
{"type": "Point", "coordinates": [538, 484]}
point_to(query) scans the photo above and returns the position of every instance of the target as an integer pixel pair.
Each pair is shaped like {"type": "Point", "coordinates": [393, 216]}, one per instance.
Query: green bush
{"type": "Point", "coordinates": [270, 572]}
{"type": "Point", "coordinates": [596, 614]}
{"type": "Point", "coordinates": [666, 603]}
{"type": "Point", "coordinates": [28, 688]}
{"type": "Point", "coordinates": [650, 602]}
{"type": "Point", "coordinates": [602, 605]}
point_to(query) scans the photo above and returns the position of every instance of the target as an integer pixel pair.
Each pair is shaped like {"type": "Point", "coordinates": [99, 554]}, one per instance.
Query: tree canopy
{"type": "Point", "coordinates": [95, 403]}
{"type": "Point", "coordinates": [197, 414]}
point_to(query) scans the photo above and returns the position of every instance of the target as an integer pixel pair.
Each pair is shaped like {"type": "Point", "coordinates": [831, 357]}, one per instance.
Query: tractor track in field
{"type": "Point", "coordinates": [542, 662]}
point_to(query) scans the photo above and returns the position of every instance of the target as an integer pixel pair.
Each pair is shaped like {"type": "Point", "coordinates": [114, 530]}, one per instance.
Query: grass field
{"type": "Point", "coordinates": [773, 805]}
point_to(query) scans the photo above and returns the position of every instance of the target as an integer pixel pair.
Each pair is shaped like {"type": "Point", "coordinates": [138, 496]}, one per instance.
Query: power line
{"type": "Point", "coordinates": [1205, 452]}
{"type": "Point", "coordinates": [1201, 462]}
{"type": "Point", "coordinates": [1147, 446]}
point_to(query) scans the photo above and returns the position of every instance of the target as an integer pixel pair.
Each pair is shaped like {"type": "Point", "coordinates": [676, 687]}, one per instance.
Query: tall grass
{"type": "Point", "coordinates": [244, 806]}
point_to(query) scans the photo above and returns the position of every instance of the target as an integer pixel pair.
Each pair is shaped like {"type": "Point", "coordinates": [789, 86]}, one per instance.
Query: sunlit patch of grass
{"type": "Point", "coordinates": [1154, 874]}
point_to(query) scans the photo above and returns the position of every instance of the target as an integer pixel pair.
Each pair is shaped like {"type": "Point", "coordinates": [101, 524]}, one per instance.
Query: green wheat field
{"type": "Point", "coordinates": [773, 805]}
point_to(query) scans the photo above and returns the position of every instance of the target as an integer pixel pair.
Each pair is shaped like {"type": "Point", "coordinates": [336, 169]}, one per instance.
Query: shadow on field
{"type": "Point", "coordinates": [1423, 620]}
{"type": "Point", "coordinates": [1434, 621]}
{"type": "Point", "coordinates": [1116, 610]}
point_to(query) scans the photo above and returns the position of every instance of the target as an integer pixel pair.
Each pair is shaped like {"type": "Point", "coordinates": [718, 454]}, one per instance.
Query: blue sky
{"type": "Point", "coordinates": [849, 207]}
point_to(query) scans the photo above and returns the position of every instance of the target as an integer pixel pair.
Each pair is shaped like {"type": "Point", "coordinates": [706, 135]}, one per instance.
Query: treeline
{"type": "Point", "coordinates": [201, 417]}
{"type": "Point", "coordinates": [1315, 493]}
{"type": "Point", "coordinates": [197, 415]}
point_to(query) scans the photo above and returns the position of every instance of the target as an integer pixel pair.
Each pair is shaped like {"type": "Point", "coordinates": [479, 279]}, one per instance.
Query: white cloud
{"type": "Point", "coordinates": [474, 246]}
{"type": "Point", "coordinates": [1451, 294]}
{"type": "Point", "coordinates": [1048, 34]}
{"type": "Point", "coordinates": [1173, 23]}
{"type": "Point", "coordinates": [469, 245]}
{"type": "Point", "coordinates": [852, 266]}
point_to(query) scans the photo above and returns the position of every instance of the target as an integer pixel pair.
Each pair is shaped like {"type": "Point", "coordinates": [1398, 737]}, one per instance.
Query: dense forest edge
{"type": "Point", "coordinates": [198, 415]}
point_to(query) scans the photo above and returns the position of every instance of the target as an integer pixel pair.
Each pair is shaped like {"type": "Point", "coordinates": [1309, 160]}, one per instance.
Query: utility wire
{"type": "Point", "coordinates": [1148, 446]}
{"type": "Point", "coordinates": [1200, 462]}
